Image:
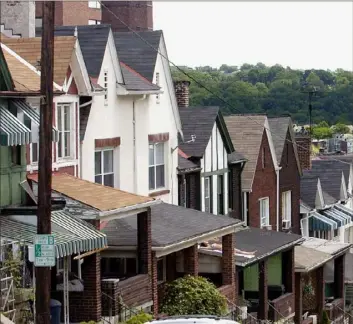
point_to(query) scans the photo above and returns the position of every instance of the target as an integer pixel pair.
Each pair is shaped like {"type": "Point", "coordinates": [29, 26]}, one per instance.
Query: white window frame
{"type": "Point", "coordinates": [164, 260]}
{"type": "Point", "coordinates": [94, 22]}
{"type": "Point", "coordinates": [71, 130]}
{"type": "Point", "coordinates": [207, 195]}
{"type": "Point", "coordinates": [105, 86]}
{"type": "Point", "coordinates": [154, 165]}
{"type": "Point", "coordinates": [94, 4]}
{"type": "Point", "coordinates": [60, 265]}
{"type": "Point", "coordinates": [102, 165]}
{"type": "Point", "coordinates": [287, 206]}
{"type": "Point", "coordinates": [264, 207]}
{"type": "Point", "coordinates": [158, 97]}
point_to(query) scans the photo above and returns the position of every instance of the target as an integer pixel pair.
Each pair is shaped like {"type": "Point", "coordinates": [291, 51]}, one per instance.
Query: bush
{"type": "Point", "coordinates": [139, 318]}
{"type": "Point", "coordinates": [193, 295]}
{"type": "Point", "coordinates": [325, 319]}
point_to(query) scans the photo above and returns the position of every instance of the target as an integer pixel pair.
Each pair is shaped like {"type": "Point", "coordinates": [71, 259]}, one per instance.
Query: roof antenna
{"type": "Point", "coordinates": [75, 32]}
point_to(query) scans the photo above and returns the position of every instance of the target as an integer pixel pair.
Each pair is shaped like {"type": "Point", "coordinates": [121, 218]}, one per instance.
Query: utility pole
{"type": "Point", "coordinates": [43, 274]}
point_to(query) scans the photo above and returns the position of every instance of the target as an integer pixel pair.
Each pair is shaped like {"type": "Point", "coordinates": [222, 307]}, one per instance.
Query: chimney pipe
{"type": "Point", "coordinates": [182, 93]}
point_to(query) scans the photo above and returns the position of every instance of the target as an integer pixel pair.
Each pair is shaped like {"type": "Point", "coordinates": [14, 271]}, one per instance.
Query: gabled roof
{"type": "Point", "coordinates": [136, 53]}
{"type": "Point", "coordinates": [199, 121]}
{"type": "Point", "coordinates": [6, 81]}
{"type": "Point", "coordinates": [92, 194]}
{"type": "Point", "coordinates": [30, 50]}
{"type": "Point", "coordinates": [279, 127]}
{"type": "Point", "coordinates": [246, 132]}
{"type": "Point", "coordinates": [93, 42]}
{"type": "Point", "coordinates": [171, 224]}
{"type": "Point", "coordinates": [134, 81]}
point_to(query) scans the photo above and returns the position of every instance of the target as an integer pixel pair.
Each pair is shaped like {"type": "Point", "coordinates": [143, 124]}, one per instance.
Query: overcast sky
{"type": "Point", "coordinates": [296, 34]}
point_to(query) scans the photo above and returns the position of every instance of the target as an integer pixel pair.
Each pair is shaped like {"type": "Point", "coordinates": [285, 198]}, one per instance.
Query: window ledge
{"type": "Point", "coordinates": [159, 193]}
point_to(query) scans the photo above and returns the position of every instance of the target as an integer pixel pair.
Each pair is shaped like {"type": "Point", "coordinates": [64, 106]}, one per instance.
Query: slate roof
{"type": "Point", "coordinates": [92, 194]}
{"type": "Point", "coordinates": [134, 81]}
{"type": "Point", "coordinates": [170, 225]}
{"type": "Point", "coordinates": [93, 41]}
{"type": "Point", "coordinates": [308, 189]}
{"type": "Point", "coordinates": [264, 242]}
{"type": "Point", "coordinates": [138, 54]}
{"type": "Point", "coordinates": [246, 135]}
{"type": "Point", "coordinates": [197, 121]}
{"type": "Point", "coordinates": [30, 50]}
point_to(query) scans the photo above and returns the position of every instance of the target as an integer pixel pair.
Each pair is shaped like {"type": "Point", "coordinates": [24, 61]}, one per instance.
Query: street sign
{"type": "Point", "coordinates": [44, 251]}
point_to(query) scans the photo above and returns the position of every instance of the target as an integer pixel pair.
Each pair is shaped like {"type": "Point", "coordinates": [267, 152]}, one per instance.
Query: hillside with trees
{"type": "Point", "coordinates": [274, 90]}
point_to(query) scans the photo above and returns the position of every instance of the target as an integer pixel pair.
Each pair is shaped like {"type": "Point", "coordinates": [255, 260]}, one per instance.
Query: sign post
{"type": "Point", "coordinates": [44, 251]}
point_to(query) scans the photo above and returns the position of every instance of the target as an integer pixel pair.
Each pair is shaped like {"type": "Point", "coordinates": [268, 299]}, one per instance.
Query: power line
{"type": "Point", "coordinates": [200, 84]}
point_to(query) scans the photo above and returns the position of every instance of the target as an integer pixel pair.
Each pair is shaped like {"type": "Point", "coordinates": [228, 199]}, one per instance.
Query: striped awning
{"type": "Point", "coordinates": [338, 216]}
{"type": "Point", "coordinates": [12, 130]}
{"type": "Point", "coordinates": [32, 115]}
{"type": "Point", "coordinates": [72, 235]}
{"type": "Point", "coordinates": [318, 222]}
{"type": "Point", "coordinates": [345, 210]}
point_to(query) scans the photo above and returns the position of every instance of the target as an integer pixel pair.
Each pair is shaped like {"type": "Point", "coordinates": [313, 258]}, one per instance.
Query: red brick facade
{"type": "Point", "coordinates": [191, 261]}
{"type": "Point", "coordinates": [264, 185]}
{"type": "Point", "coordinates": [289, 179]}
{"type": "Point", "coordinates": [304, 151]}
{"type": "Point", "coordinates": [190, 195]}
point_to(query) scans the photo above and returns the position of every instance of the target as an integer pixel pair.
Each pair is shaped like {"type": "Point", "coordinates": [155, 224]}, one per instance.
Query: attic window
{"type": "Point", "coordinates": [263, 160]}
{"type": "Point", "coordinates": [105, 86]}
{"type": "Point", "coordinates": [157, 83]}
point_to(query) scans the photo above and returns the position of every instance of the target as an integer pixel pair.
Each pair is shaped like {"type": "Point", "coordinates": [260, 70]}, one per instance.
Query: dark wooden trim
{"type": "Point", "coordinates": [107, 142]}
{"type": "Point", "coordinates": [158, 138]}
{"type": "Point", "coordinates": [217, 172]}
{"type": "Point", "coordinates": [159, 193]}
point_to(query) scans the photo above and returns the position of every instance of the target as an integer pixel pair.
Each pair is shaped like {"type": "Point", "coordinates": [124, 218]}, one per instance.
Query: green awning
{"type": "Point", "coordinates": [32, 115]}
{"type": "Point", "coordinates": [12, 130]}
{"type": "Point", "coordinates": [72, 235]}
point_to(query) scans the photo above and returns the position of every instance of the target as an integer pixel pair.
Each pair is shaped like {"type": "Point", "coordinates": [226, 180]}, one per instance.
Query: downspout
{"type": "Point", "coordinates": [134, 140]}
{"type": "Point", "coordinates": [184, 184]}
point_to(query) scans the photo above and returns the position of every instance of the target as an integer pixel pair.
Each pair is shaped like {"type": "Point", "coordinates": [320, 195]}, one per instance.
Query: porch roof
{"type": "Point", "coordinates": [330, 270]}
{"type": "Point", "coordinates": [307, 259]}
{"type": "Point", "coordinates": [173, 228]}
{"type": "Point", "coordinates": [327, 246]}
{"type": "Point", "coordinates": [108, 201]}
{"type": "Point", "coordinates": [72, 235]}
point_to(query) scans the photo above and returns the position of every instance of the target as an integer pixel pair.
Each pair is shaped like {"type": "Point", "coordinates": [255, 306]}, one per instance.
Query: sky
{"type": "Point", "coordinates": [302, 35]}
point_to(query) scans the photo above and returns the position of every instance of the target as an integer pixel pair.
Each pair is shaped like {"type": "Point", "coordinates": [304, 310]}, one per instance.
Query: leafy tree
{"type": "Point", "coordinates": [340, 128]}
{"type": "Point", "coordinates": [322, 132]}
{"type": "Point", "coordinates": [193, 295]}
{"type": "Point", "coordinates": [139, 318]}
{"type": "Point", "coordinates": [323, 124]}
{"type": "Point", "coordinates": [325, 319]}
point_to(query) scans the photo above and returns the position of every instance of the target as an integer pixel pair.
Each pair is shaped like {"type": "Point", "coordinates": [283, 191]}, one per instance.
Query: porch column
{"type": "Point", "coordinates": [320, 290]}
{"type": "Point", "coordinates": [263, 293]}
{"type": "Point", "coordinates": [154, 284]}
{"type": "Point", "coordinates": [298, 298]}
{"type": "Point", "coordinates": [144, 242]}
{"type": "Point", "coordinates": [339, 275]}
{"type": "Point", "coordinates": [191, 260]}
{"type": "Point", "coordinates": [288, 270]}
{"type": "Point", "coordinates": [228, 263]}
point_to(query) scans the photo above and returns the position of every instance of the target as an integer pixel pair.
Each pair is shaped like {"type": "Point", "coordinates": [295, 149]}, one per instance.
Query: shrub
{"type": "Point", "coordinates": [139, 318]}
{"type": "Point", "coordinates": [193, 295]}
{"type": "Point", "coordinates": [325, 319]}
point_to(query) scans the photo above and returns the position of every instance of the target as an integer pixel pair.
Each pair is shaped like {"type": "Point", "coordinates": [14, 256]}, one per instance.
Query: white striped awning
{"type": "Point", "coordinates": [32, 115]}
{"type": "Point", "coordinates": [72, 235]}
{"type": "Point", "coordinates": [12, 130]}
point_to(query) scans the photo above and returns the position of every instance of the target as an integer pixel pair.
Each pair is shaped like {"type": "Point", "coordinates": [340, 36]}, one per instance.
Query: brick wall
{"type": "Point", "coordinates": [339, 273]}
{"type": "Point", "coordinates": [193, 188]}
{"type": "Point", "coordinates": [298, 297]}
{"type": "Point", "coordinates": [191, 260]}
{"type": "Point", "coordinates": [289, 179]}
{"type": "Point", "coordinates": [138, 15]}
{"type": "Point", "coordinates": [228, 266]}
{"type": "Point", "coordinates": [154, 285]}
{"type": "Point", "coordinates": [264, 185]}
{"type": "Point", "coordinates": [304, 151]}
{"type": "Point", "coordinates": [144, 242]}
{"type": "Point", "coordinates": [235, 194]}
{"type": "Point", "coordinates": [182, 93]}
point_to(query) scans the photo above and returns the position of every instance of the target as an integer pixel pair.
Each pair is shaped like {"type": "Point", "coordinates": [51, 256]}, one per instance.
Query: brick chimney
{"type": "Point", "coordinates": [182, 93]}
{"type": "Point", "coordinates": [304, 150]}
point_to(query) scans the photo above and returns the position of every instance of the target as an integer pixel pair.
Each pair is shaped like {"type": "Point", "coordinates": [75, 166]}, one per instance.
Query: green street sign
{"type": "Point", "coordinates": [44, 251]}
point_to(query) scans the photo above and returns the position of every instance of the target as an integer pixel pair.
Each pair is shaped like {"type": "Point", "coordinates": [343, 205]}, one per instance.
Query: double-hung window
{"type": "Point", "coordinates": [64, 127]}
{"type": "Point", "coordinates": [265, 211]}
{"type": "Point", "coordinates": [207, 190]}
{"type": "Point", "coordinates": [104, 167]}
{"type": "Point", "coordinates": [287, 206]}
{"type": "Point", "coordinates": [156, 166]}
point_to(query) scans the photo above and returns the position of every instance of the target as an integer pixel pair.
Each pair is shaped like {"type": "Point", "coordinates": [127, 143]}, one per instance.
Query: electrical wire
{"type": "Point", "coordinates": [204, 87]}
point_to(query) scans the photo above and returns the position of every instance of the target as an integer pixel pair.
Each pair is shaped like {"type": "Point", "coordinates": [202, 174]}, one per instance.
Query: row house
{"type": "Point", "coordinates": [70, 83]}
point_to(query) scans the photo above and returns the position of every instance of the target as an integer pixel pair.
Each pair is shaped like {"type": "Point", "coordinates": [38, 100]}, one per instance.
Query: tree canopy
{"type": "Point", "coordinates": [274, 90]}
{"type": "Point", "coordinates": [193, 295]}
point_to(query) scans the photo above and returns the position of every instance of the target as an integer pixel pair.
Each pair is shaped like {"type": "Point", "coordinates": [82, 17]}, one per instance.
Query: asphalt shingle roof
{"type": "Point", "coordinates": [308, 189]}
{"type": "Point", "coordinates": [197, 121]}
{"type": "Point", "coordinates": [170, 225]}
{"type": "Point", "coordinates": [185, 164]}
{"type": "Point", "coordinates": [246, 133]}
{"type": "Point", "coordinates": [264, 242]}
{"type": "Point", "coordinates": [279, 129]}
{"type": "Point", "coordinates": [136, 53]}
{"type": "Point", "coordinates": [235, 157]}
{"type": "Point", "coordinates": [93, 42]}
